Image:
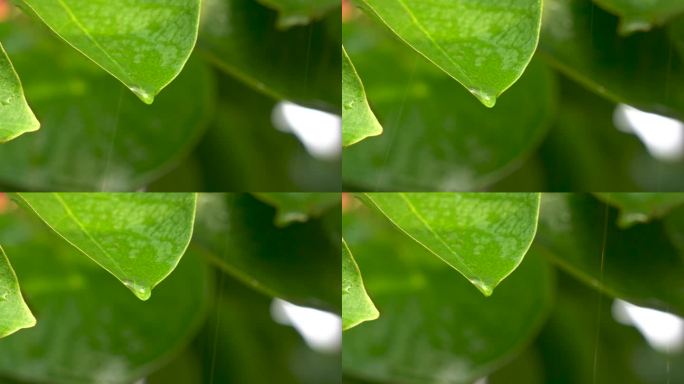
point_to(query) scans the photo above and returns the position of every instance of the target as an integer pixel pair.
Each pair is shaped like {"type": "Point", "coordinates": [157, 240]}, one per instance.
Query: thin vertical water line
{"type": "Point", "coordinates": [600, 295]}
{"type": "Point", "coordinates": [397, 124]}
{"type": "Point", "coordinates": [219, 300]}
{"type": "Point", "coordinates": [110, 152]}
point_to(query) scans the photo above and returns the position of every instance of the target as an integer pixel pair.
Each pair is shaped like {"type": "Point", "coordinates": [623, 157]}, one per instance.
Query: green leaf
{"type": "Point", "coordinates": [95, 135]}
{"type": "Point", "coordinates": [359, 122]}
{"type": "Point", "coordinates": [434, 327]}
{"type": "Point", "coordinates": [483, 236]}
{"type": "Point", "coordinates": [638, 264]}
{"type": "Point", "coordinates": [90, 328]}
{"type": "Point", "coordinates": [640, 15]}
{"type": "Point", "coordinates": [357, 307]}
{"type": "Point", "coordinates": [298, 12]}
{"type": "Point", "coordinates": [139, 238]}
{"type": "Point", "coordinates": [436, 136]}
{"type": "Point", "coordinates": [300, 64]}
{"type": "Point", "coordinates": [485, 46]}
{"type": "Point", "coordinates": [16, 117]}
{"type": "Point", "coordinates": [582, 41]}
{"type": "Point", "coordinates": [14, 313]}
{"type": "Point", "coordinates": [299, 263]}
{"type": "Point", "coordinates": [144, 45]}
{"type": "Point", "coordinates": [299, 207]}
{"type": "Point", "coordinates": [641, 207]}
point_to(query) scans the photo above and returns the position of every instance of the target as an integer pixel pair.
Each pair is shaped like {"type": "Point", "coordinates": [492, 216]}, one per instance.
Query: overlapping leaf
{"type": "Point", "coordinates": [143, 44]}
{"type": "Point", "coordinates": [14, 313]}
{"type": "Point", "coordinates": [358, 121]}
{"type": "Point", "coordinates": [484, 45]}
{"type": "Point", "coordinates": [437, 137]}
{"type": "Point", "coordinates": [483, 236]}
{"type": "Point", "coordinates": [298, 12]}
{"type": "Point", "coordinates": [641, 207]}
{"type": "Point", "coordinates": [357, 307]}
{"type": "Point", "coordinates": [16, 117]}
{"type": "Point", "coordinates": [640, 15]}
{"type": "Point", "coordinates": [139, 238]}
{"type": "Point", "coordinates": [299, 206]}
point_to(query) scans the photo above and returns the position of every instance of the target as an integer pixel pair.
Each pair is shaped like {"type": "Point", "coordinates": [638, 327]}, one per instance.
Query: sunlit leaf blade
{"type": "Point", "coordinates": [638, 264]}
{"type": "Point", "coordinates": [299, 206]}
{"type": "Point", "coordinates": [299, 263]}
{"type": "Point", "coordinates": [357, 307]}
{"type": "Point", "coordinates": [95, 135]}
{"type": "Point", "coordinates": [483, 236]}
{"type": "Point", "coordinates": [16, 117]}
{"type": "Point", "coordinates": [90, 328]}
{"type": "Point", "coordinates": [641, 70]}
{"type": "Point", "coordinates": [485, 45]}
{"type": "Point", "coordinates": [299, 12]}
{"type": "Point", "coordinates": [640, 15]}
{"type": "Point", "coordinates": [434, 327]}
{"type": "Point", "coordinates": [14, 313]}
{"type": "Point", "coordinates": [358, 121]}
{"type": "Point", "coordinates": [143, 44]}
{"type": "Point", "coordinates": [139, 238]}
{"type": "Point", "coordinates": [641, 207]}
{"type": "Point", "coordinates": [300, 64]}
{"type": "Point", "coordinates": [436, 136]}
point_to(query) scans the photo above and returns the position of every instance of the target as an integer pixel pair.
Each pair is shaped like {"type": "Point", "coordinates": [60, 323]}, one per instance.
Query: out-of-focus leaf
{"type": "Point", "coordinates": [14, 313]}
{"type": "Point", "coordinates": [584, 151]}
{"type": "Point", "coordinates": [484, 45]}
{"type": "Point", "coordinates": [244, 151]}
{"type": "Point", "coordinates": [357, 307]}
{"type": "Point", "coordinates": [638, 264]}
{"type": "Point", "coordinates": [437, 137]}
{"type": "Point", "coordinates": [299, 207]}
{"type": "Point", "coordinates": [640, 15]}
{"type": "Point", "coordinates": [90, 328]}
{"type": "Point", "coordinates": [301, 64]}
{"type": "Point", "coordinates": [263, 351]}
{"type": "Point", "coordinates": [595, 347]}
{"type": "Point", "coordinates": [582, 41]}
{"type": "Point", "coordinates": [641, 207]}
{"type": "Point", "coordinates": [298, 12]}
{"type": "Point", "coordinates": [16, 117]}
{"type": "Point", "coordinates": [143, 44]}
{"type": "Point", "coordinates": [95, 136]}
{"type": "Point", "coordinates": [483, 236]}
{"type": "Point", "coordinates": [358, 121]}
{"type": "Point", "coordinates": [299, 263]}
{"type": "Point", "coordinates": [434, 327]}
{"type": "Point", "coordinates": [139, 238]}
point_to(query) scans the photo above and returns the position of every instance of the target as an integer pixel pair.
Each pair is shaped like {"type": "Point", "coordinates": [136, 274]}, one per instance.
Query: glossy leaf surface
{"type": "Point", "coordinates": [299, 263]}
{"type": "Point", "coordinates": [14, 313]}
{"type": "Point", "coordinates": [434, 326]}
{"type": "Point", "coordinates": [484, 45]}
{"type": "Point", "coordinates": [90, 328]}
{"type": "Point", "coordinates": [436, 136]}
{"type": "Point", "coordinates": [483, 236]}
{"type": "Point", "coordinates": [638, 264]}
{"type": "Point", "coordinates": [143, 44]}
{"type": "Point", "coordinates": [139, 238]}
{"type": "Point", "coordinates": [95, 135]}
{"type": "Point", "coordinates": [358, 121]}
{"type": "Point", "coordinates": [357, 307]}
{"type": "Point", "coordinates": [16, 117]}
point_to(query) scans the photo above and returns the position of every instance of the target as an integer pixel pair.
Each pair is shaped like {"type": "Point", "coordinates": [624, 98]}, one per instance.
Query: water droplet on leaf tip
{"type": "Point", "coordinates": [139, 290]}
{"type": "Point", "coordinates": [485, 98]}
{"type": "Point", "coordinates": [143, 95]}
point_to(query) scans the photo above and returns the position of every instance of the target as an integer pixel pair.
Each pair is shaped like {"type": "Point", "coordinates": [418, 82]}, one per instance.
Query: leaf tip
{"type": "Point", "coordinates": [483, 287]}
{"type": "Point", "coordinates": [486, 98]}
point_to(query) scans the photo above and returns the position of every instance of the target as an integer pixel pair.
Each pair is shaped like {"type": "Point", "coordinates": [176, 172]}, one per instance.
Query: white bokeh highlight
{"type": "Point", "coordinates": [321, 330]}
{"type": "Point", "coordinates": [320, 132]}
{"type": "Point", "coordinates": [663, 331]}
{"type": "Point", "coordinates": [662, 136]}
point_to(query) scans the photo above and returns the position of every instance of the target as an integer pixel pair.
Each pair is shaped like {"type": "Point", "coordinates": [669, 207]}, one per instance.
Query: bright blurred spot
{"type": "Point", "coordinates": [663, 331]}
{"type": "Point", "coordinates": [662, 136]}
{"type": "Point", "coordinates": [482, 380]}
{"type": "Point", "coordinates": [320, 132]}
{"type": "Point", "coordinates": [322, 331]}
